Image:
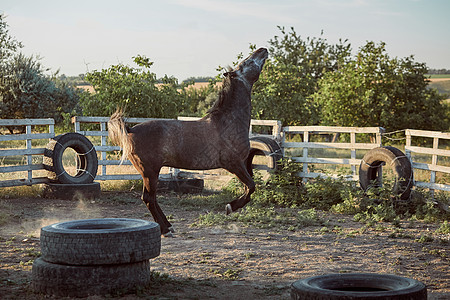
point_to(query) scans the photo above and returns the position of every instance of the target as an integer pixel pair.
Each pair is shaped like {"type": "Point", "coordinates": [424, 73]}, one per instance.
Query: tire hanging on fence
{"type": "Point", "coordinates": [358, 286]}
{"type": "Point", "coordinates": [267, 147]}
{"type": "Point", "coordinates": [87, 162]}
{"type": "Point", "coordinates": [394, 158]}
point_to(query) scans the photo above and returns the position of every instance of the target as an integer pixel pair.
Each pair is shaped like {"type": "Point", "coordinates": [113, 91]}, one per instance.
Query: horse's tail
{"type": "Point", "coordinates": [118, 133]}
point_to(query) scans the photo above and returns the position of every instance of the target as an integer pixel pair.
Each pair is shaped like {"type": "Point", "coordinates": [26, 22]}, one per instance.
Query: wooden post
{"type": "Point", "coordinates": [103, 143]}
{"type": "Point", "coordinates": [29, 157]}
{"type": "Point", "coordinates": [434, 163]}
{"type": "Point", "coordinates": [305, 155]}
{"type": "Point", "coordinates": [353, 151]}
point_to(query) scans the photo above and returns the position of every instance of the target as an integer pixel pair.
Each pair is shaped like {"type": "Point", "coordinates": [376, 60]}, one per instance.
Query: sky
{"type": "Point", "coordinates": [191, 38]}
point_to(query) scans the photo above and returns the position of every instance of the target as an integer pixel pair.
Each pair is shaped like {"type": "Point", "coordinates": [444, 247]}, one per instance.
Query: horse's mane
{"type": "Point", "coordinates": [224, 94]}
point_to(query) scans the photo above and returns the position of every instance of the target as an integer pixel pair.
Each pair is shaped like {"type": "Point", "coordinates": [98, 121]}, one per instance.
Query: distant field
{"type": "Point", "coordinates": [438, 76]}
{"type": "Point", "coordinates": [441, 82]}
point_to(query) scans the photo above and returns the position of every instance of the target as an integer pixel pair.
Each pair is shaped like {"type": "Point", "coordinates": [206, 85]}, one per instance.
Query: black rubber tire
{"type": "Point", "coordinates": [72, 191]}
{"type": "Point", "coordinates": [87, 161]}
{"type": "Point", "coordinates": [394, 158]}
{"type": "Point", "coordinates": [358, 286]}
{"type": "Point", "coordinates": [264, 146]}
{"type": "Point", "coordinates": [83, 281]}
{"type": "Point", "coordinates": [100, 241]}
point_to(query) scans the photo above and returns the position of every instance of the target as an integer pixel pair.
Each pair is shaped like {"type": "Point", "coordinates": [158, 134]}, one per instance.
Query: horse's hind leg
{"type": "Point", "coordinates": [242, 173]}
{"type": "Point", "coordinates": [169, 226]}
{"type": "Point", "coordinates": [149, 198]}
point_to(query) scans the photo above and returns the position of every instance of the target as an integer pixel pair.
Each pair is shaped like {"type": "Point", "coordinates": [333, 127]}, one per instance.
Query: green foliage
{"type": "Point", "coordinates": [284, 187]}
{"type": "Point", "coordinates": [323, 193]}
{"type": "Point", "coordinates": [198, 79]}
{"type": "Point", "coordinates": [375, 90]}
{"type": "Point", "coordinates": [425, 238]}
{"type": "Point", "coordinates": [291, 76]}
{"type": "Point", "coordinates": [137, 89]}
{"type": "Point", "coordinates": [8, 44]}
{"type": "Point", "coordinates": [444, 228]}
{"type": "Point", "coordinates": [197, 101]}
{"type": "Point", "coordinates": [31, 94]}
{"type": "Point", "coordinates": [263, 217]}
{"type": "Point", "coordinates": [25, 91]}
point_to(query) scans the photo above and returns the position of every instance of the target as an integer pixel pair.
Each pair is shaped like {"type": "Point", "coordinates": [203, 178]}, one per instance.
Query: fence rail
{"type": "Point", "coordinates": [435, 153]}
{"type": "Point", "coordinates": [306, 145]}
{"type": "Point", "coordinates": [27, 152]}
{"type": "Point", "coordinates": [104, 146]}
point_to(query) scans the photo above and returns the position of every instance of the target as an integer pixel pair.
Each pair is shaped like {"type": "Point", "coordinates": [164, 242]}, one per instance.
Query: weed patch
{"type": "Point", "coordinates": [444, 228]}
{"type": "Point", "coordinates": [260, 217]}
{"type": "Point", "coordinates": [284, 189]}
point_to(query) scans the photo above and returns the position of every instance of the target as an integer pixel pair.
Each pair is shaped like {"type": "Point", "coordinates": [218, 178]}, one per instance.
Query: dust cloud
{"type": "Point", "coordinates": [55, 214]}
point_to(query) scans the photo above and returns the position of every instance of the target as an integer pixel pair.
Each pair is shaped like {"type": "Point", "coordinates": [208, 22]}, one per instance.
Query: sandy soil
{"type": "Point", "coordinates": [234, 261]}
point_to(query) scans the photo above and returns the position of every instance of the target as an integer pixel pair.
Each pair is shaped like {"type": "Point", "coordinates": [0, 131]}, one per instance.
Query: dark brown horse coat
{"type": "Point", "coordinates": [219, 140]}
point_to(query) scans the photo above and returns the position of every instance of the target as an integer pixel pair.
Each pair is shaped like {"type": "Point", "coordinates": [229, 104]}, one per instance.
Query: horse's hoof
{"type": "Point", "coordinates": [228, 209]}
{"type": "Point", "coordinates": [171, 229]}
{"type": "Point", "coordinates": [168, 235]}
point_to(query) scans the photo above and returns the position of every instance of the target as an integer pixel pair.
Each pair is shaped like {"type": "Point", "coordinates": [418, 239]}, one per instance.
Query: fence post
{"type": "Point", "coordinates": [305, 155]}
{"type": "Point", "coordinates": [276, 131]}
{"type": "Point", "coordinates": [29, 157]}
{"type": "Point", "coordinates": [434, 162]}
{"type": "Point", "coordinates": [353, 151]}
{"type": "Point", "coordinates": [103, 144]}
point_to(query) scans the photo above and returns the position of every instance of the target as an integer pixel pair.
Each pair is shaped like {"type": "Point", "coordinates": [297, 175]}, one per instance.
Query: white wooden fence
{"type": "Point", "coordinates": [436, 165]}
{"type": "Point", "coordinates": [27, 152]}
{"type": "Point", "coordinates": [307, 144]}
{"type": "Point", "coordinates": [104, 147]}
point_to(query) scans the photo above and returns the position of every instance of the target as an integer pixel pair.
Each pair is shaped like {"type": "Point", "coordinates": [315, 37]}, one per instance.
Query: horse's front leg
{"type": "Point", "coordinates": [242, 173]}
{"type": "Point", "coordinates": [149, 198]}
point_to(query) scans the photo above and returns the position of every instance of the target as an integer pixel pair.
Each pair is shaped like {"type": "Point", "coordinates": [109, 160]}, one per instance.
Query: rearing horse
{"type": "Point", "coordinates": [218, 140]}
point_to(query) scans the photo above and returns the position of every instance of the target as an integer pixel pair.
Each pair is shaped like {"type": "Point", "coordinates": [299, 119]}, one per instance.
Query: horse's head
{"type": "Point", "coordinates": [249, 69]}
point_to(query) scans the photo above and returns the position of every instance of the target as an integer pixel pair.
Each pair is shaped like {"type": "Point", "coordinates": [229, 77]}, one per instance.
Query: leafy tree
{"type": "Point", "coordinates": [137, 89]}
{"type": "Point", "coordinates": [291, 75]}
{"type": "Point", "coordinates": [28, 93]}
{"type": "Point", "coordinates": [8, 44]}
{"type": "Point", "coordinates": [198, 79]}
{"type": "Point", "coordinates": [25, 91]}
{"type": "Point", "coordinates": [375, 90]}
{"type": "Point", "coordinates": [438, 71]}
{"type": "Point", "coordinates": [198, 100]}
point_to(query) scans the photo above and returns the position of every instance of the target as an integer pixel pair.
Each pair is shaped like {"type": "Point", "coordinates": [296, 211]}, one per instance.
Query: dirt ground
{"type": "Point", "coordinates": [232, 261]}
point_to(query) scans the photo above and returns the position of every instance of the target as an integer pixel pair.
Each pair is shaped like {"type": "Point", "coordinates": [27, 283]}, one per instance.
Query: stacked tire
{"type": "Point", "coordinates": [95, 257]}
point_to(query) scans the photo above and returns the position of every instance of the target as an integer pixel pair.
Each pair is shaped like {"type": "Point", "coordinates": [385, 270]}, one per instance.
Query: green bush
{"type": "Point", "coordinates": [444, 228]}
{"type": "Point", "coordinates": [285, 189]}
{"type": "Point", "coordinates": [136, 89]}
